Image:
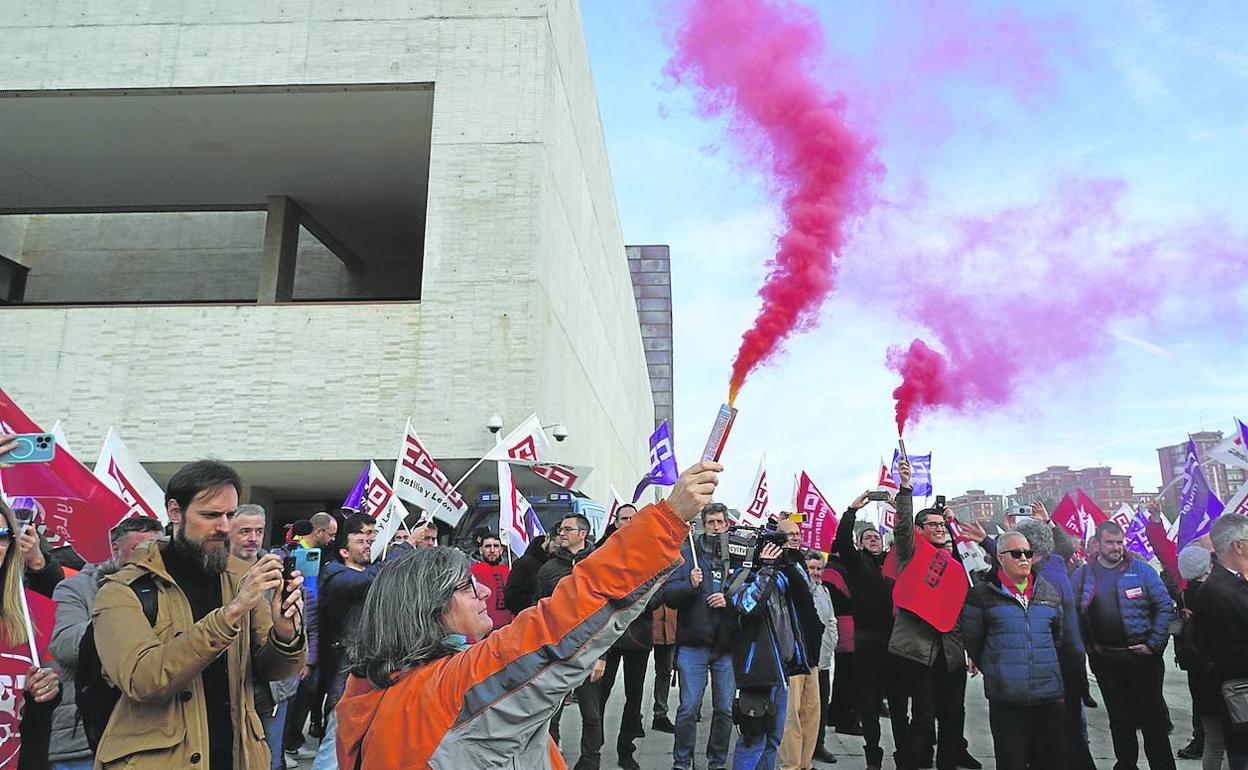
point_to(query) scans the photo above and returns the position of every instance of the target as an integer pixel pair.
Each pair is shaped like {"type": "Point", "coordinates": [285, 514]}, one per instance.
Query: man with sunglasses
{"type": "Point", "coordinates": [574, 546]}
{"type": "Point", "coordinates": [1013, 625]}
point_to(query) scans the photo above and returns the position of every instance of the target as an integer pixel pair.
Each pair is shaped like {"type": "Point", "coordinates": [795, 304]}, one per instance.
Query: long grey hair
{"type": "Point", "coordinates": [401, 626]}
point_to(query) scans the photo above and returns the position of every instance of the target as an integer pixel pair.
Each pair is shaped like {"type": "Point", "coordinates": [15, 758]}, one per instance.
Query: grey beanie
{"type": "Point", "coordinates": [1194, 561]}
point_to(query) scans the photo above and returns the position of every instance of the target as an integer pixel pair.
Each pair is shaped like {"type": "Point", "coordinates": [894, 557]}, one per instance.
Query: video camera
{"type": "Point", "coordinates": [745, 545]}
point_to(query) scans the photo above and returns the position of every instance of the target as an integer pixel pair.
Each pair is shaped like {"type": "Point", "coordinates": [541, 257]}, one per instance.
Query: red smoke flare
{"type": "Point", "coordinates": [752, 60]}
{"type": "Point", "coordinates": [924, 380]}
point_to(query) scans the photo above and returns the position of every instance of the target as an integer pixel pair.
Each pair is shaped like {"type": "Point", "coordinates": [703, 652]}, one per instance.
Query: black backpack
{"type": "Point", "coordinates": [95, 696]}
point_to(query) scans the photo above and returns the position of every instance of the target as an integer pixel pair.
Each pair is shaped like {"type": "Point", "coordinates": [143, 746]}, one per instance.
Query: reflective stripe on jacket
{"type": "Point", "coordinates": [491, 705]}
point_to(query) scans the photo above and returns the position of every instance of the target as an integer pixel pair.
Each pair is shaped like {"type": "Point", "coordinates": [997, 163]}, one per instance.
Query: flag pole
{"type": "Point", "coordinates": [464, 478]}
{"type": "Point", "coordinates": [30, 629]}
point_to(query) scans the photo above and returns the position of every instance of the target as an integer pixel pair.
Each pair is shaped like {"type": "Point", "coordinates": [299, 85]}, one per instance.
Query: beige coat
{"type": "Point", "coordinates": [161, 721]}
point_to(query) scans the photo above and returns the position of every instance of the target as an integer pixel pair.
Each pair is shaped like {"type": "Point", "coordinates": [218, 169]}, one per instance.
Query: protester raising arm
{"type": "Point", "coordinates": [1167, 552]}
{"type": "Point", "coordinates": [903, 531]}
{"type": "Point", "coordinates": [843, 542]}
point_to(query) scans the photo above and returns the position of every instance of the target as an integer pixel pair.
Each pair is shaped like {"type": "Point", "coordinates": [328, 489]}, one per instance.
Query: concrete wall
{"type": "Point", "coordinates": [526, 303]}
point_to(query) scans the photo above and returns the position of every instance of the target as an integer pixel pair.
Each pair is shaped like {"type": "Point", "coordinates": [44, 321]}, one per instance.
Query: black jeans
{"type": "Point", "coordinates": [664, 660]}
{"type": "Point", "coordinates": [1074, 685]}
{"type": "Point", "coordinates": [297, 711]}
{"type": "Point", "coordinates": [878, 679]}
{"type": "Point", "coordinates": [825, 692]}
{"type": "Point", "coordinates": [843, 707]}
{"type": "Point", "coordinates": [1028, 737]}
{"type": "Point", "coordinates": [635, 664]}
{"type": "Point", "coordinates": [937, 695]}
{"type": "Point", "coordinates": [1132, 685]}
{"type": "Point", "coordinates": [589, 701]}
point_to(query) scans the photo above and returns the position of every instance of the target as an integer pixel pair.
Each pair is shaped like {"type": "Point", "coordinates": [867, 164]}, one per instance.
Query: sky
{"type": "Point", "coordinates": [1126, 117]}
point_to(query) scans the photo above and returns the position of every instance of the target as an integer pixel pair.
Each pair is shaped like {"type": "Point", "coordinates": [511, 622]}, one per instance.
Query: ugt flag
{"type": "Point", "coordinates": [920, 473]}
{"type": "Point", "coordinates": [1137, 535]}
{"type": "Point", "coordinates": [77, 509]}
{"type": "Point", "coordinates": [419, 481]}
{"type": "Point", "coordinates": [663, 471]}
{"type": "Point", "coordinates": [121, 471]}
{"type": "Point", "coordinates": [1198, 506]}
{"type": "Point", "coordinates": [1067, 516]}
{"type": "Point", "coordinates": [818, 517]}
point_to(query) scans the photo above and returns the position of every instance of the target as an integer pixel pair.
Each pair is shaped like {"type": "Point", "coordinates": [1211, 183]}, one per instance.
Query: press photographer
{"type": "Point", "coordinates": [777, 645]}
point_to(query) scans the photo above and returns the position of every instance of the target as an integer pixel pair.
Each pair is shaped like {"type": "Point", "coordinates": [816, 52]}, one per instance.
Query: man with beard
{"type": "Point", "coordinates": [74, 598]}
{"type": "Point", "coordinates": [492, 571]}
{"type": "Point", "coordinates": [186, 680]}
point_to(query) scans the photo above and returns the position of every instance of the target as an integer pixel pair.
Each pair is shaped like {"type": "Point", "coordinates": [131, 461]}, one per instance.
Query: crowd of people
{"type": "Point", "coordinates": [194, 646]}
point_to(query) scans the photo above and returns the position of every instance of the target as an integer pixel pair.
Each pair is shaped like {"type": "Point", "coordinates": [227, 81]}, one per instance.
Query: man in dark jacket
{"type": "Point", "coordinates": [574, 546]}
{"type": "Point", "coordinates": [518, 595]}
{"type": "Point", "coordinates": [1221, 617]}
{"type": "Point", "coordinates": [770, 647]}
{"type": "Point", "coordinates": [1124, 616]}
{"type": "Point", "coordinates": [632, 651]}
{"type": "Point", "coordinates": [1013, 625]}
{"type": "Point", "coordinates": [929, 588]}
{"type": "Point", "coordinates": [703, 627]}
{"type": "Point", "coordinates": [873, 625]}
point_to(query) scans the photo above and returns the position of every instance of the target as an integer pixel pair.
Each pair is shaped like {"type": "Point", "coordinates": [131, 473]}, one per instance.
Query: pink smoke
{"type": "Point", "coordinates": [753, 61]}
{"type": "Point", "coordinates": [1035, 291]}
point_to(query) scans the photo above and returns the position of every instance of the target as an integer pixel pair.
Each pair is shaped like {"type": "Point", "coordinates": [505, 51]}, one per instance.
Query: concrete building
{"type": "Point", "coordinates": [272, 232]}
{"type": "Point", "coordinates": [1106, 488]}
{"type": "Point", "coordinates": [1224, 480]}
{"type": "Point", "coordinates": [978, 505]}
{"type": "Point", "coordinates": [651, 269]}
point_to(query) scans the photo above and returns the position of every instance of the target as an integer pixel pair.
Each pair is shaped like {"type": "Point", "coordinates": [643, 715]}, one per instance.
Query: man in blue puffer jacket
{"type": "Point", "coordinates": [1125, 613]}
{"type": "Point", "coordinates": [1013, 625]}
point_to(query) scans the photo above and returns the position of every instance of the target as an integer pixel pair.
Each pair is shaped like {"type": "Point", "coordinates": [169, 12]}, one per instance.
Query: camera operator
{"type": "Point", "coordinates": [775, 649]}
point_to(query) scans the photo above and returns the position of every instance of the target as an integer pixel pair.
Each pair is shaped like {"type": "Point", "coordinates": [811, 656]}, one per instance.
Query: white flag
{"type": "Point", "coordinates": [760, 500]}
{"type": "Point", "coordinates": [381, 503]}
{"type": "Point", "coordinates": [58, 431]}
{"type": "Point", "coordinates": [419, 481]}
{"type": "Point", "coordinates": [1234, 450]}
{"type": "Point", "coordinates": [1238, 503]}
{"type": "Point", "coordinates": [526, 444]}
{"type": "Point", "coordinates": [516, 520]}
{"type": "Point", "coordinates": [616, 502]}
{"type": "Point", "coordinates": [1123, 517]}
{"type": "Point", "coordinates": [121, 471]}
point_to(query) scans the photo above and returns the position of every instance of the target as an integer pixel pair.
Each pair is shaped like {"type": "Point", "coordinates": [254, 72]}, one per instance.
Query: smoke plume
{"type": "Point", "coordinates": [753, 62]}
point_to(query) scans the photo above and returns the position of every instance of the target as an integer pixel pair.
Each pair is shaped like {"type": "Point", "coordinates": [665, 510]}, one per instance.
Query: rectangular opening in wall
{"type": "Point", "coordinates": [163, 195]}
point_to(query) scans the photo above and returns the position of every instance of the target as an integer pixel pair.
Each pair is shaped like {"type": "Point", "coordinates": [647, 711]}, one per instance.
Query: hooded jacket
{"type": "Point", "coordinates": [519, 592]}
{"type": "Point", "coordinates": [161, 719]}
{"type": "Point", "coordinates": [491, 704]}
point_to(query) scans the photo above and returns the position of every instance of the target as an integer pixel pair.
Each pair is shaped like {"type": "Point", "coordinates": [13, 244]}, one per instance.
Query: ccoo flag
{"type": "Point", "coordinates": [121, 471]}
{"type": "Point", "coordinates": [1234, 450]}
{"type": "Point", "coordinates": [819, 519]}
{"type": "Point", "coordinates": [663, 470]}
{"type": "Point", "coordinates": [759, 507]}
{"type": "Point", "coordinates": [1198, 506]}
{"type": "Point", "coordinates": [419, 481]}
{"type": "Point", "coordinates": [76, 509]}
{"type": "Point", "coordinates": [517, 521]}
{"type": "Point", "coordinates": [373, 495]}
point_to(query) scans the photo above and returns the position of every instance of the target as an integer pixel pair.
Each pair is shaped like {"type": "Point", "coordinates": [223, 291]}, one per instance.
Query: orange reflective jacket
{"type": "Point", "coordinates": [493, 702]}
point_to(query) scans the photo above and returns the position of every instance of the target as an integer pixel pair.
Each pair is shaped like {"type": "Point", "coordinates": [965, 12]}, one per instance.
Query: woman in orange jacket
{"type": "Point", "coordinates": [420, 695]}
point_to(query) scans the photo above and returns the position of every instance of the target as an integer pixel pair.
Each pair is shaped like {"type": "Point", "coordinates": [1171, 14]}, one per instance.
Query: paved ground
{"type": "Point", "coordinates": [654, 750]}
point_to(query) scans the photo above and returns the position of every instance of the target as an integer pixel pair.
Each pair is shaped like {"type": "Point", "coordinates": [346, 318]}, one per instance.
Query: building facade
{"type": "Point", "coordinates": [272, 232]}
{"type": "Point", "coordinates": [1107, 489]}
{"type": "Point", "coordinates": [978, 505]}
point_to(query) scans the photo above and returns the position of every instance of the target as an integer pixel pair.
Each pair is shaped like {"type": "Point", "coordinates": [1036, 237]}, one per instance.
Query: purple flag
{"type": "Point", "coordinates": [1199, 506]}
{"type": "Point", "coordinates": [355, 500]}
{"type": "Point", "coordinates": [920, 473]}
{"type": "Point", "coordinates": [1137, 539]}
{"type": "Point", "coordinates": [663, 470]}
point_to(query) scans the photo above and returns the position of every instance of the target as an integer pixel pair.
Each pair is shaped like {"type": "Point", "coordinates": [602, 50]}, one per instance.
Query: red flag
{"type": "Point", "coordinates": [1066, 516]}
{"type": "Point", "coordinates": [818, 517]}
{"type": "Point", "coordinates": [1089, 512]}
{"type": "Point", "coordinates": [78, 510]}
{"type": "Point", "coordinates": [14, 663]}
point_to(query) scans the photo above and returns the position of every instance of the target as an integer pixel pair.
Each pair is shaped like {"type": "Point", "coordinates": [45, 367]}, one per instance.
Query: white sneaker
{"type": "Point", "coordinates": [290, 762]}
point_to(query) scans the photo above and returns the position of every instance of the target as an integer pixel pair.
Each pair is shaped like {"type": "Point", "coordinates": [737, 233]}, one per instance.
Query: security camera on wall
{"type": "Point", "coordinates": [494, 424]}
{"type": "Point", "coordinates": [559, 432]}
